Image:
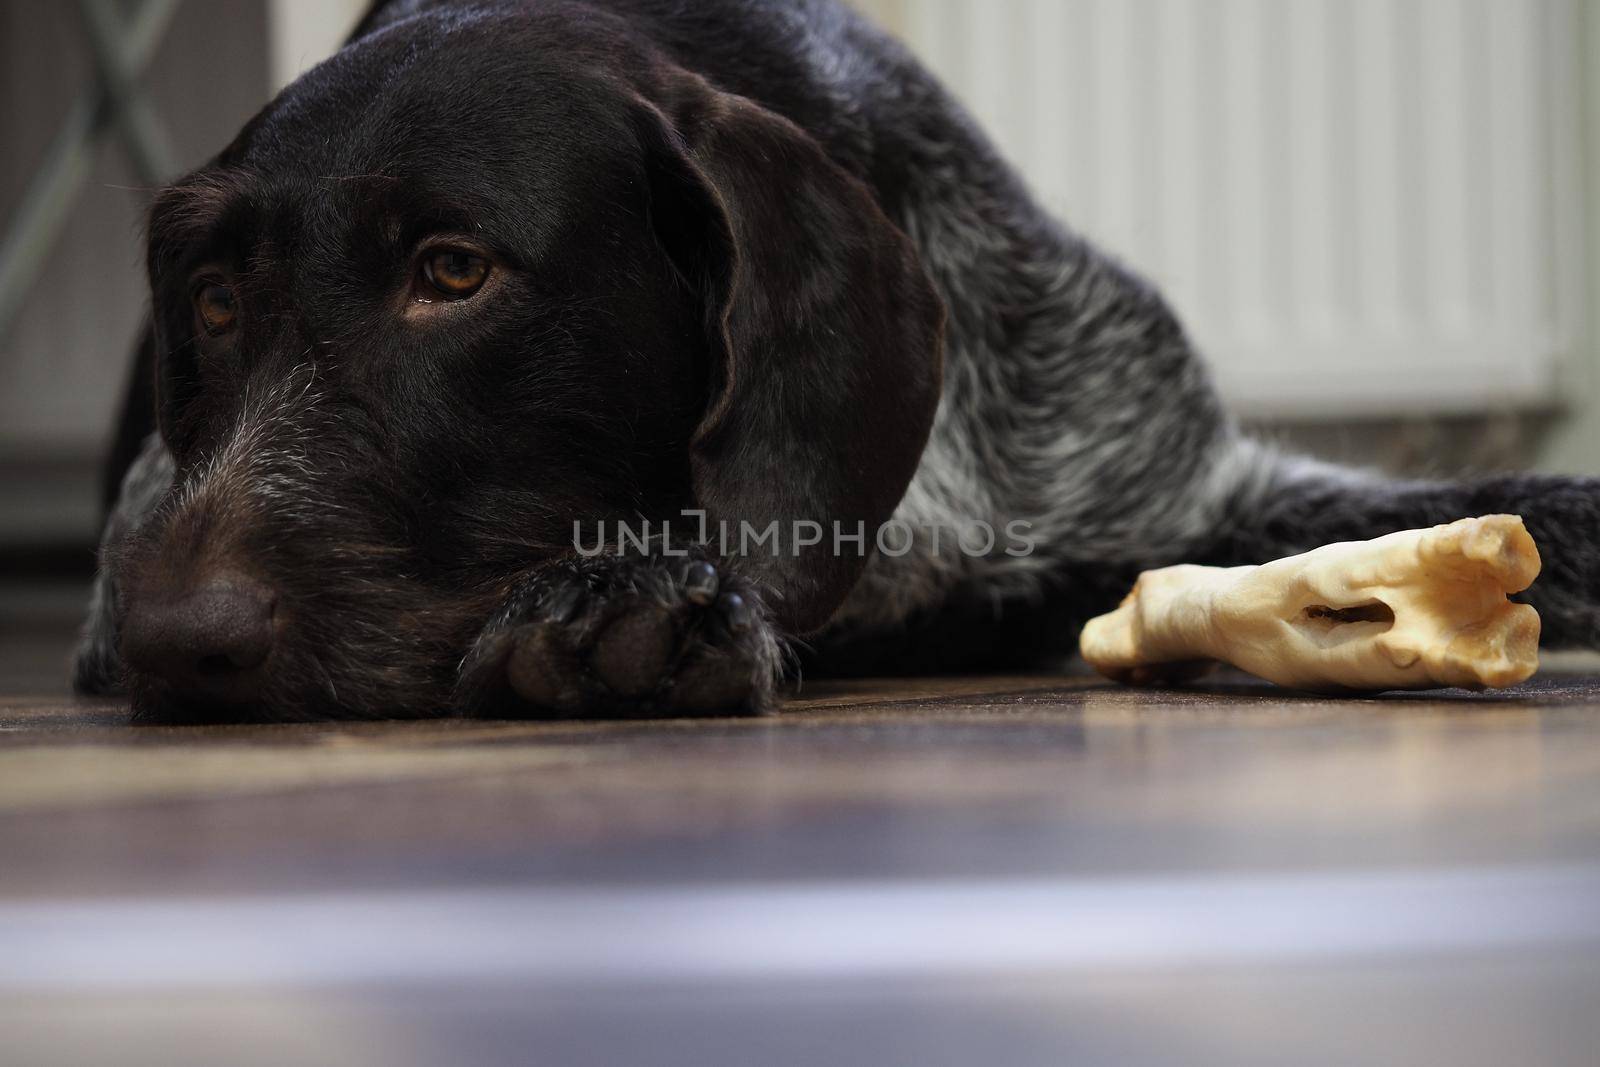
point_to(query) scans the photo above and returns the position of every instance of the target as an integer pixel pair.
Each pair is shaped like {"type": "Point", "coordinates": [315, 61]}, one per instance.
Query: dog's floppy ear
{"type": "Point", "coordinates": [825, 338]}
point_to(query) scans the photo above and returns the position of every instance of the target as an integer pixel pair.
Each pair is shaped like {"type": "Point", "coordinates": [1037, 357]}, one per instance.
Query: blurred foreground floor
{"type": "Point", "coordinates": [1004, 871]}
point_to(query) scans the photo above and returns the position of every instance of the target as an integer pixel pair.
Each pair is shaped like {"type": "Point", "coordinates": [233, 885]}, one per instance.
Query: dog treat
{"type": "Point", "coordinates": [1416, 609]}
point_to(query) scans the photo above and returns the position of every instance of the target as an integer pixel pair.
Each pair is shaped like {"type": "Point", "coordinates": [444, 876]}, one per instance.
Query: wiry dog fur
{"type": "Point", "coordinates": [733, 231]}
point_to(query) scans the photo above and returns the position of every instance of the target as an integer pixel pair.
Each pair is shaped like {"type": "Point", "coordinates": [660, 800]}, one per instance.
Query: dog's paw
{"type": "Point", "coordinates": [627, 636]}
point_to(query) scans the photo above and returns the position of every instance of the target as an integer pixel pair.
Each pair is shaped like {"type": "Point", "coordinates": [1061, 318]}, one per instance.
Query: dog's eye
{"type": "Point", "coordinates": [454, 274]}
{"type": "Point", "coordinates": [214, 303]}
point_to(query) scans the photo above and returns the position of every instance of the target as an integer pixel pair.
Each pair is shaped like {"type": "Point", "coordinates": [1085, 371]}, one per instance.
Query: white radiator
{"type": "Point", "coordinates": [1358, 206]}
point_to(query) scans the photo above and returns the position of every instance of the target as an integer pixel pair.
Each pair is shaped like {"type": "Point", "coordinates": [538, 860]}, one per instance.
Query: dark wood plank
{"type": "Point", "coordinates": [945, 777]}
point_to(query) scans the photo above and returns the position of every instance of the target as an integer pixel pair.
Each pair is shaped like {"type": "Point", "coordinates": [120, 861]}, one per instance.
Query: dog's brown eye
{"type": "Point", "coordinates": [214, 302]}
{"type": "Point", "coordinates": [455, 274]}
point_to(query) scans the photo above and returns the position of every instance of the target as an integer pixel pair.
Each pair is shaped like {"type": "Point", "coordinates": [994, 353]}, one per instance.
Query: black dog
{"type": "Point", "coordinates": [502, 277]}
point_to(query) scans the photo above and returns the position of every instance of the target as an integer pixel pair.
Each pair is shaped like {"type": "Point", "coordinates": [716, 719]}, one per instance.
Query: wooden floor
{"type": "Point", "coordinates": [1008, 870]}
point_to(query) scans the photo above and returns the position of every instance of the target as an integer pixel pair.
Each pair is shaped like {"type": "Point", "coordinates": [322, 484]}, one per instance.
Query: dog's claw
{"type": "Point", "coordinates": [735, 611]}
{"type": "Point", "coordinates": [700, 583]}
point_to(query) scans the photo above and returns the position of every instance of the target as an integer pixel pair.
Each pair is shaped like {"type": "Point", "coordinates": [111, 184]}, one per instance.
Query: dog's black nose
{"type": "Point", "coordinates": [207, 643]}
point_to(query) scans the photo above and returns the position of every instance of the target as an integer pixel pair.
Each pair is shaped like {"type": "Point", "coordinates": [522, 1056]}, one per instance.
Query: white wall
{"type": "Point", "coordinates": [1574, 444]}
{"type": "Point", "coordinates": [1359, 207]}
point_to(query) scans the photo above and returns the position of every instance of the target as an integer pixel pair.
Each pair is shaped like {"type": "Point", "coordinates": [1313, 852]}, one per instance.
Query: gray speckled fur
{"type": "Point", "coordinates": [1073, 401]}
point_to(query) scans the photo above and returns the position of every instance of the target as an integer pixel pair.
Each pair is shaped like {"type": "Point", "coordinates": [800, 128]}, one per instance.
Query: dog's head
{"type": "Point", "coordinates": [471, 282]}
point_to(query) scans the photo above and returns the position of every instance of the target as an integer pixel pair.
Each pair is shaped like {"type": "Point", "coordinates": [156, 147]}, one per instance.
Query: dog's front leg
{"type": "Point", "coordinates": [626, 636]}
